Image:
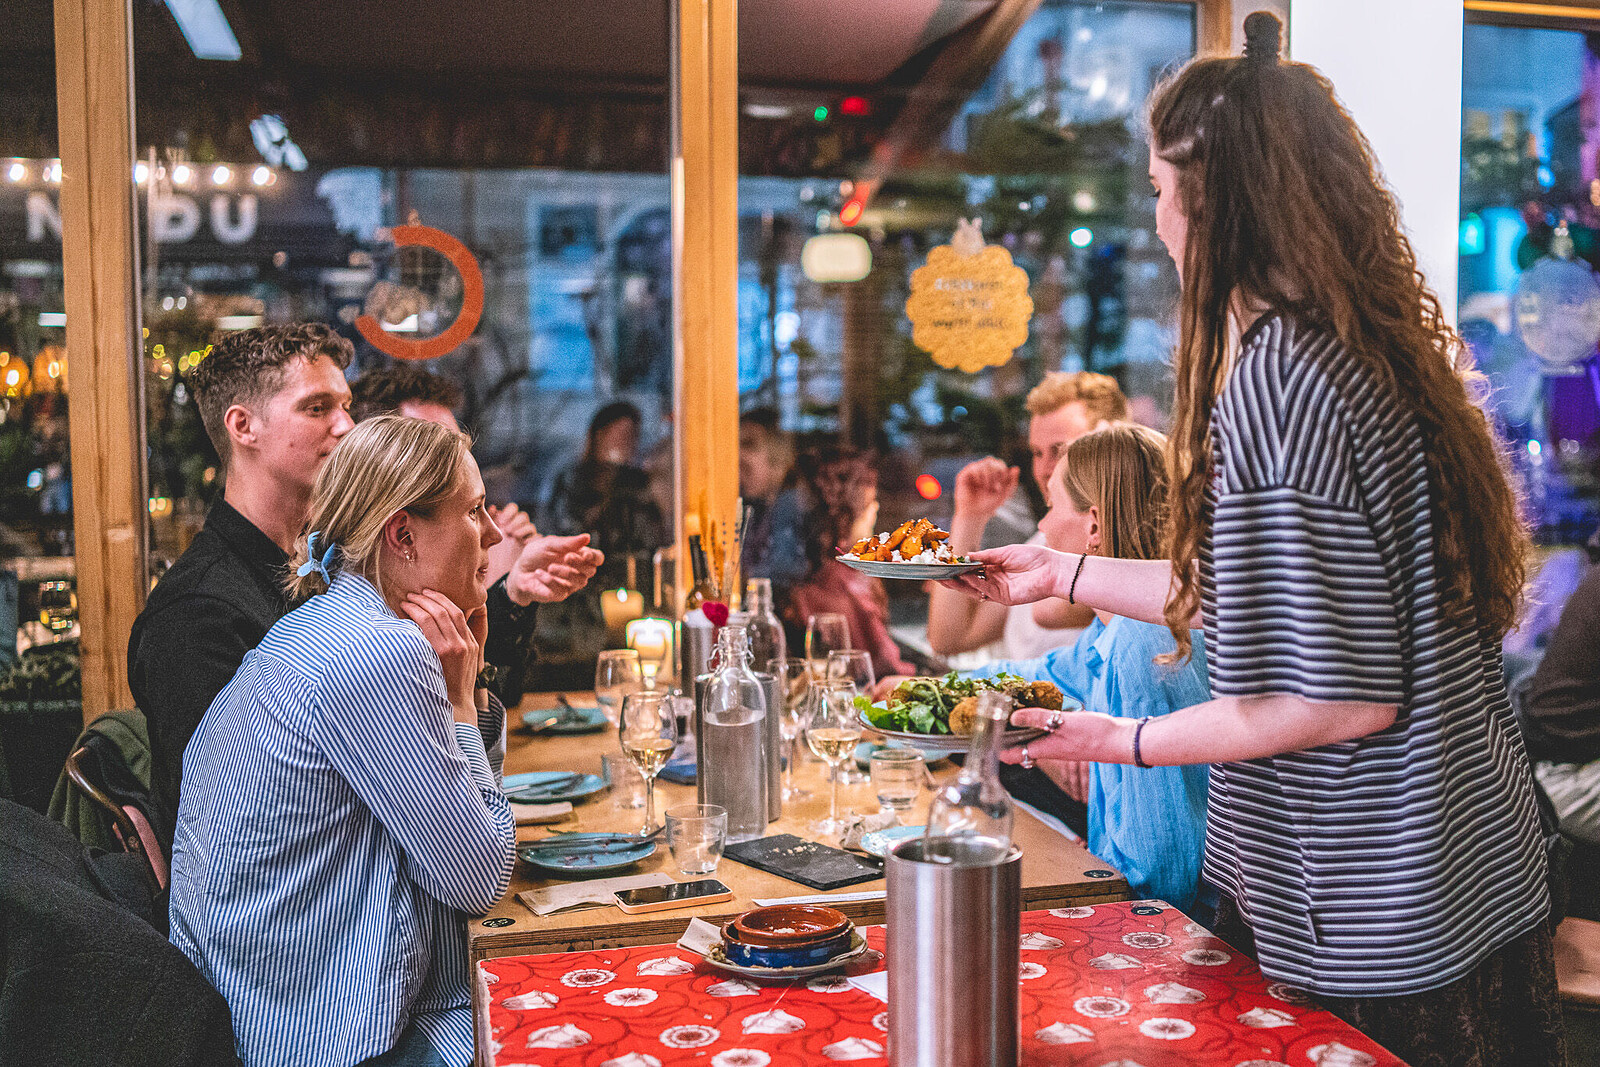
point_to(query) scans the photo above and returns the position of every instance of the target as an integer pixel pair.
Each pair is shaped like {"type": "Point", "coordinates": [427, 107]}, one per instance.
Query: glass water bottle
{"type": "Point", "coordinates": [969, 821]}
{"type": "Point", "coordinates": [731, 743]}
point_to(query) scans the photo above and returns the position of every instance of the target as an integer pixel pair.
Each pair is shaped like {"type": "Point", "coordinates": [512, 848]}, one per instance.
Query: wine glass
{"type": "Point", "coordinates": [649, 732]}
{"type": "Point", "coordinates": [616, 674]}
{"type": "Point", "coordinates": [852, 665]}
{"type": "Point", "coordinates": [796, 683]}
{"type": "Point", "coordinates": [833, 733]}
{"type": "Point", "coordinates": [825, 633]}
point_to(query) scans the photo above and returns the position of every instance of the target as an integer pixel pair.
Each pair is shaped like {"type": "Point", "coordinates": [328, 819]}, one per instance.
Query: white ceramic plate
{"type": "Point", "coordinates": [857, 949]}
{"type": "Point", "coordinates": [952, 743]}
{"type": "Point", "coordinates": [921, 572]}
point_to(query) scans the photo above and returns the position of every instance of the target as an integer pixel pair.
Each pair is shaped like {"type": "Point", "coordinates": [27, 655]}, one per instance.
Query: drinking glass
{"type": "Point", "coordinates": [58, 606]}
{"type": "Point", "coordinates": [616, 674]}
{"type": "Point", "coordinates": [649, 733]}
{"type": "Point", "coordinates": [852, 665]}
{"type": "Point", "coordinates": [833, 733]}
{"type": "Point", "coordinates": [796, 681]}
{"type": "Point", "coordinates": [696, 834]}
{"type": "Point", "coordinates": [825, 633]}
{"type": "Point", "coordinates": [897, 775]}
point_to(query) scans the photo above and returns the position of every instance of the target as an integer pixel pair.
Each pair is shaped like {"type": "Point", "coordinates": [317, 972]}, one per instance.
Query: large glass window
{"type": "Point", "coordinates": [1530, 238]}
{"type": "Point", "coordinates": [39, 682]}
{"type": "Point", "coordinates": [861, 162]}
{"type": "Point", "coordinates": [534, 146]}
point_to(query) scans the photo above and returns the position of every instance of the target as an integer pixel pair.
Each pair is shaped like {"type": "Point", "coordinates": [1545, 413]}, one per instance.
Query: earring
{"type": "Point", "coordinates": [411, 557]}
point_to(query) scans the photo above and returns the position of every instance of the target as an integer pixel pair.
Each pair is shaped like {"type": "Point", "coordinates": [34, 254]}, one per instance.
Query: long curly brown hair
{"type": "Point", "coordinates": [1286, 209]}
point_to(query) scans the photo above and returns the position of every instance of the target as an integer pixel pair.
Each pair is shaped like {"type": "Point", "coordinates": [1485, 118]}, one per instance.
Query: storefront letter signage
{"type": "Point", "coordinates": [471, 298]}
{"type": "Point", "coordinates": [969, 306]}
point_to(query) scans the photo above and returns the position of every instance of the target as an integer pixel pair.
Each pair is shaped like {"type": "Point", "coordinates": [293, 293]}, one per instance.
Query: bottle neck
{"type": "Point", "coordinates": [983, 753]}
{"type": "Point", "coordinates": [758, 597]}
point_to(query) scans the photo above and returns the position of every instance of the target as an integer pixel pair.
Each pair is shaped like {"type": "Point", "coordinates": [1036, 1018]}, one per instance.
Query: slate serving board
{"type": "Point", "coordinates": [806, 862]}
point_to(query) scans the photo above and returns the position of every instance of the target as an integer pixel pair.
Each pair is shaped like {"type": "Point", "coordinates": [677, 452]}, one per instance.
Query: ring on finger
{"type": "Point", "coordinates": [1056, 719]}
{"type": "Point", "coordinates": [1027, 760]}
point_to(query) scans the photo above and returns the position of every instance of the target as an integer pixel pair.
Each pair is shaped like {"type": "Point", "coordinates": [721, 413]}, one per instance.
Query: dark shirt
{"type": "Point", "coordinates": [213, 606]}
{"type": "Point", "coordinates": [1561, 702]}
{"type": "Point", "coordinates": [84, 977]}
{"type": "Point", "coordinates": [216, 604]}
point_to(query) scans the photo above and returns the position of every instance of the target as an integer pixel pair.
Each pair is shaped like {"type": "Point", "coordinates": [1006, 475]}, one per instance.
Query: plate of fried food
{"type": "Point", "coordinates": [915, 549]}
{"type": "Point", "coordinates": [936, 714]}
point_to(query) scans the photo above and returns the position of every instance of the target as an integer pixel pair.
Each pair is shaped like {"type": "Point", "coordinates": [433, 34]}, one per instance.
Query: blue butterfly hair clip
{"type": "Point", "coordinates": [312, 563]}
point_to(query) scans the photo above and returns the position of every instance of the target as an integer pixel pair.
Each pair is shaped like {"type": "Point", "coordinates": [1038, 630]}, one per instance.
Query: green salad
{"type": "Point", "coordinates": [924, 705]}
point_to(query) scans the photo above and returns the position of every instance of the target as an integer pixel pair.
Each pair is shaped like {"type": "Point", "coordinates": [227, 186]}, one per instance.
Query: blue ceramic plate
{"type": "Point", "coordinates": [574, 859]}
{"type": "Point", "coordinates": [567, 720]}
{"type": "Point", "coordinates": [548, 787]}
{"type": "Point", "coordinates": [865, 750]}
{"type": "Point", "coordinates": [879, 842]}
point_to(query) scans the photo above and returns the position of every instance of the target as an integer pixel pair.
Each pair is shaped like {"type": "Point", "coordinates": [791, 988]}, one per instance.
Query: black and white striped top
{"type": "Point", "coordinates": [1394, 863]}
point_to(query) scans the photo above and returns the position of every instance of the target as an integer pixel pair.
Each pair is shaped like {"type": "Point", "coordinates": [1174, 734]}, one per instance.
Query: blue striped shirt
{"type": "Point", "coordinates": [334, 825]}
{"type": "Point", "coordinates": [1148, 823]}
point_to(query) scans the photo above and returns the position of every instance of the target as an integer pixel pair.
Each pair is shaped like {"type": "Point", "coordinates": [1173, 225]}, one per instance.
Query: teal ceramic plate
{"type": "Point", "coordinates": [548, 787]}
{"type": "Point", "coordinates": [567, 720]}
{"type": "Point", "coordinates": [572, 858]}
{"type": "Point", "coordinates": [879, 842]}
{"type": "Point", "coordinates": [865, 750]}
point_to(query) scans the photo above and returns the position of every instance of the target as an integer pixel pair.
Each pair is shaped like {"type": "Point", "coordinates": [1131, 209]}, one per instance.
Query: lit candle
{"type": "Point", "coordinates": [618, 606]}
{"type": "Point", "coordinates": [652, 639]}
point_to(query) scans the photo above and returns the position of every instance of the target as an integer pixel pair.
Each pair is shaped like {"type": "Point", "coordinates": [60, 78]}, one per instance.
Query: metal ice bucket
{"type": "Point", "coordinates": [954, 931]}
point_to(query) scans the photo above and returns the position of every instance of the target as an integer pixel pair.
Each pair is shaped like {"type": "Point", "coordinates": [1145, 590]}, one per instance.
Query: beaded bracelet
{"type": "Point", "coordinates": [1073, 589]}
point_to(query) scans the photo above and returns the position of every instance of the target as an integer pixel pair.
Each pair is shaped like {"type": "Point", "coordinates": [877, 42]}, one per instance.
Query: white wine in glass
{"type": "Point", "coordinates": [648, 730]}
{"type": "Point", "coordinates": [833, 733]}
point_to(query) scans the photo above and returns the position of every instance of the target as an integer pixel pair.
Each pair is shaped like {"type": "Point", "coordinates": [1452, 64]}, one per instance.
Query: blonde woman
{"type": "Point", "coordinates": [1107, 498]}
{"type": "Point", "coordinates": [339, 812]}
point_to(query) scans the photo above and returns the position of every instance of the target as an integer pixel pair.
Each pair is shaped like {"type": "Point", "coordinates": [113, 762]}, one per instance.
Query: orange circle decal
{"type": "Point", "coordinates": [471, 298]}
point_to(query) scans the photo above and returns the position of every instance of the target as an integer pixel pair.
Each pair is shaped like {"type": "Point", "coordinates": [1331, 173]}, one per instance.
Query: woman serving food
{"type": "Point", "coordinates": [1343, 524]}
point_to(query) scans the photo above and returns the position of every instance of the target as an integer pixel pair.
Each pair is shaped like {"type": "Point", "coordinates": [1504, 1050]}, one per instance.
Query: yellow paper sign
{"type": "Point", "coordinates": [969, 305]}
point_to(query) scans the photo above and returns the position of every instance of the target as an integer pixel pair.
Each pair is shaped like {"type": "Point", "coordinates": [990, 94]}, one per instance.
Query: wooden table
{"type": "Point", "coordinates": [1056, 872]}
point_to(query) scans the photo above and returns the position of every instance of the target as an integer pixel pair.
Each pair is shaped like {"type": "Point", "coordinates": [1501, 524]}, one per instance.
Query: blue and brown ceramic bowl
{"type": "Point", "coordinates": [786, 936]}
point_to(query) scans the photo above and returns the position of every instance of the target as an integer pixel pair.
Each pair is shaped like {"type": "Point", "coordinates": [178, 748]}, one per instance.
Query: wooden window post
{"type": "Point", "coordinates": [94, 98]}
{"type": "Point", "coordinates": [705, 267]}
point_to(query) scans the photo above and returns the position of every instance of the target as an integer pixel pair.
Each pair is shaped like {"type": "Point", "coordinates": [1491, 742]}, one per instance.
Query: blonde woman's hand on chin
{"type": "Point", "coordinates": [1015, 574]}
{"type": "Point", "coordinates": [458, 642]}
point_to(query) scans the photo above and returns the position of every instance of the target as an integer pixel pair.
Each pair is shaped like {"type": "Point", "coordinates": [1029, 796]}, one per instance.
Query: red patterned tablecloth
{"type": "Point", "coordinates": [1116, 985]}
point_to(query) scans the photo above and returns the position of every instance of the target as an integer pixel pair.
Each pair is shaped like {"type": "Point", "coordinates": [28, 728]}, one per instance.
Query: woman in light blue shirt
{"type": "Point", "coordinates": [1108, 497]}
{"type": "Point", "coordinates": [340, 814]}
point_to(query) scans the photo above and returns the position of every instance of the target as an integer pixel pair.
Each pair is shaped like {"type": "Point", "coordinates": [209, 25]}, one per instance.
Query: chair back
{"type": "Point", "coordinates": [129, 823]}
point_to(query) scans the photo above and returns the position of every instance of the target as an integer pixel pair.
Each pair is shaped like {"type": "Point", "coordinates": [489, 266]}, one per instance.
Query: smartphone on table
{"type": "Point", "coordinates": [676, 895]}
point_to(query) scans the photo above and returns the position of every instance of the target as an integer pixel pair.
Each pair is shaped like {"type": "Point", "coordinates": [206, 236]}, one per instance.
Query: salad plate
{"type": "Point", "coordinates": [954, 744]}
{"type": "Point", "coordinates": [935, 714]}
